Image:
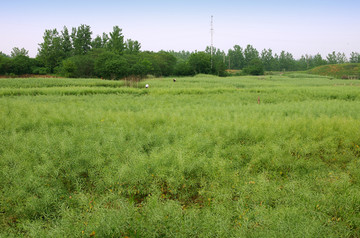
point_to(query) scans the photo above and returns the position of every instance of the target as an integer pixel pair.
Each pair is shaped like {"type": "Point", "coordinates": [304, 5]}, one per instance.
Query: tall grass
{"type": "Point", "coordinates": [199, 157]}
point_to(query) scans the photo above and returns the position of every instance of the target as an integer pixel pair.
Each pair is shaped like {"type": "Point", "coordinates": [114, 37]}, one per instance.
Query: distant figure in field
{"type": "Point", "coordinates": [174, 80]}
{"type": "Point", "coordinates": [147, 85]}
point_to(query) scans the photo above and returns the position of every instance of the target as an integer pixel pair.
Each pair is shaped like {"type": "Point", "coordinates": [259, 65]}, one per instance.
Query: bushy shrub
{"type": "Point", "coordinates": [255, 67]}
{"type": "Point", "coordinates": [80, 66]}
{"type": "Point", "coordinates": [183, 69]}
{"type": "Point", "coordinates": [39, 70]}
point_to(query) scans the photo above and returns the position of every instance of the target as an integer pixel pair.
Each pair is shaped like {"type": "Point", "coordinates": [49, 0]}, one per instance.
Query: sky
{"type": "Point", "coordinates": [299, 27]}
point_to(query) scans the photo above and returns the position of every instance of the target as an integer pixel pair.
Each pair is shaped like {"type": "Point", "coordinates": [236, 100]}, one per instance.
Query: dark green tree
{"type": "Point", "coordinates": [354, 57]}
{"type": "Point", "coordinates": [331, 58]}
{"type": "Point", "coordinates": [255, 67]}
{"type": "Point", "coordinates": [5, 63]}
{"type": "Point", "coordinates": [51, 53]}
{"type": "Point", "coordinates": [318, 60]}
{"type": "Point", "coordinates": [286, 61]}
{"type": "Point", "coordinates": [116, 68]}
{"type": "Point", "coordinates": [97, 43]}
{"type": "Point", "coordinates": [341, 58]}
{"type": "Point", "coordinates": [132, 47]}
{"type": "Point", "coordinates": [163, 63]}
{"type": "Point", "coordinates": [66, 42]}
{"type": "Point", "coordinates": [219, 63]}
{"type": "Point", "coordinates": [17, 52]}
{"type": "Point", "coordinates": [81, 38]}
{"type": "Point", "coordinates": [236, 57]}
{"type": "Point", "coordinates": [116, 41]}
{"type": "Point", "coordinates": [141, 68]}
{"type": "Point", "coordinates": [200, 63]}
{"type": "Point", "coordinates": [105, 40]}
{"type": "Point", "coordinates": [302, 63]}
{"type": "Point", "coordinates": [267, 59]}
{"type": "Point", "coordinates": [21, 64]}
{"type": "Point", "coordinates": [250, 53]}
{"type": "Point", "coordinates": [78, 66]}
{"type": "Point", "coordinates": [183, 68]}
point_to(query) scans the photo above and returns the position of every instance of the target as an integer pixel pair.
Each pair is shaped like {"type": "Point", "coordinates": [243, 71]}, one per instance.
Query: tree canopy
{"type": "Point", "coordinates": [112, 56]}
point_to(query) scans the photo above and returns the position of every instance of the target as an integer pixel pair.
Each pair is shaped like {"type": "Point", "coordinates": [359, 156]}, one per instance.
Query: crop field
{"type": "Point", "coordinates": [268, 156]}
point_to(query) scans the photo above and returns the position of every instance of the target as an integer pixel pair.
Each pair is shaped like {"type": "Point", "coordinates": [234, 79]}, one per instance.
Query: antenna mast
{"type": "Point", "coordinates": [212, 42]}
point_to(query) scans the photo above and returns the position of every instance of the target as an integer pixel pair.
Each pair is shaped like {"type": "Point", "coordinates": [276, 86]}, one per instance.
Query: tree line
{"type": "Point", "coordinates": [110, 56]}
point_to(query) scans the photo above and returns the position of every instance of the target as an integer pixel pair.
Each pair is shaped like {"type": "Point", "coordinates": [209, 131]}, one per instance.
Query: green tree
{"type": "Point", "coordinates": [17, 52]}
{"type": "Point", "coordinates": [51, 53]}
{"type": "Point", "coordinates": [78, 66]}
{"type": "Point", "coordinates": [5, 62]}
{"type": "Point", "coordinates": [81, 38]}
{"type": "Point", "coordinates": [331, 58]}
{"type": "Point", "coordinates": [341, 58]}
{"type": "Point", "coordinates": [236, 57]}
{"type": "Point", "coordinates": [255, 67]}
{"type": "Point", "coordinates": [183, 68]}
{"type": "Point", "coordinates": [101, 57]}
{"type": "Point", "coordinates": [267, 59]}
{"type": "Point", "coordinates": [66, 42]}
{"type": "Point", "coordinates": [97, 43]}
{"type": "Point", "coordinates": [116, 68]}
{"type": "Point", "coordinates": [219, 66]}
{"type": "Point", "coordinates": [250, 53]}
{"type": "Point", "coordinates": [181, 55]}
{"type": "Point", "coordinates": [21, 64]}
{"type": "Point", "coordinates": [302, 63]}
{"type": "Point", "coordinates": [105, 40]}
{"type": "Point", "coordinates": [354, 57]}
{"type": "Point", "coordinates": [286, 61]}
{"type": "Point", "coordinates": [132, 47]}
{"type": "Point", "coordinates": [116, 41]}
{"type": "Point", "coordinates": [200, 63]}
{"type": "Point", "coordinates": [318, 60]}
{"type": "Point", "coordinates": [141, 68]}
{"type": "Point", "coordinates": [163, 63]}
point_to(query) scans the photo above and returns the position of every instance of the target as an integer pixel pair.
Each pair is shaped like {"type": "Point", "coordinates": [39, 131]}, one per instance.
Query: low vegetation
{"type": "Point", "coordinates": [341, 71]}
{"type": "Point", "coordinates": [259, 156]}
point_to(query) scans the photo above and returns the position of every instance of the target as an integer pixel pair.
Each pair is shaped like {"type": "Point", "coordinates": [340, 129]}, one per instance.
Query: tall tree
{"type": "Point", "coordinates": [200, 62]}
{"type": "Point", "coordinates": [331, 58]}
{"type": "Point", "coordinates": [50, 52]}
{"type": "Point", "coordinates": [81, 38]}
{"type": "Point", "coordinates": [341, 58]}
{"type": "Point", "coordinates": [302, 63]}
{"type": "Point", "coordinates": [105, 40]}
{"type": "Point", "coordinates": [267, 59]}
{"type": "Point", "coordinates": [66, 42]}
{"type": "Point", "coordinates": [250, 53]}
{"type": "Point", "coordinates": [318, 60]}
{"type": "Point", "coordinates": [5, 63]}
{"type": "Point", "coordinates": [96, 43]}
{"type": "Point", "coordinates": [116, 41]}
{"type": "Point", "coordinates": [236, 57]}
{"type": "Point", "coordinates": [286, 61]}
{"type": "Point", "coordinates": [17, 52]}
{"type": "Point", "coordinates": [354, 57]}
{"type": "Point", "coordinates": [132, 47]}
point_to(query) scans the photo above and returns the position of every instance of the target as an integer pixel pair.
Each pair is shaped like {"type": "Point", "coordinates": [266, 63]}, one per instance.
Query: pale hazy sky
{"type": "Point", "coordinates": [299, 27]}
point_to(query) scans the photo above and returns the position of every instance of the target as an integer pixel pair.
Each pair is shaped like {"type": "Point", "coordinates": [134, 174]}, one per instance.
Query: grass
{"type": "Point", "coordinates": [195, 158]}
{"type": "Point", "coordinates": [341, 71]}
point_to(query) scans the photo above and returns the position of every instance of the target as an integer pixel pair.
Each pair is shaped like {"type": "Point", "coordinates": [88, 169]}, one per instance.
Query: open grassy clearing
{"type": "Point", "coordinates": [199, 157]}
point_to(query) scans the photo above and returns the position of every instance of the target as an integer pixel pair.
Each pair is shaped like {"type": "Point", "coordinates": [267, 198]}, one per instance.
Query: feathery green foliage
{"type": "Point", "coordinates": [265, 156]}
